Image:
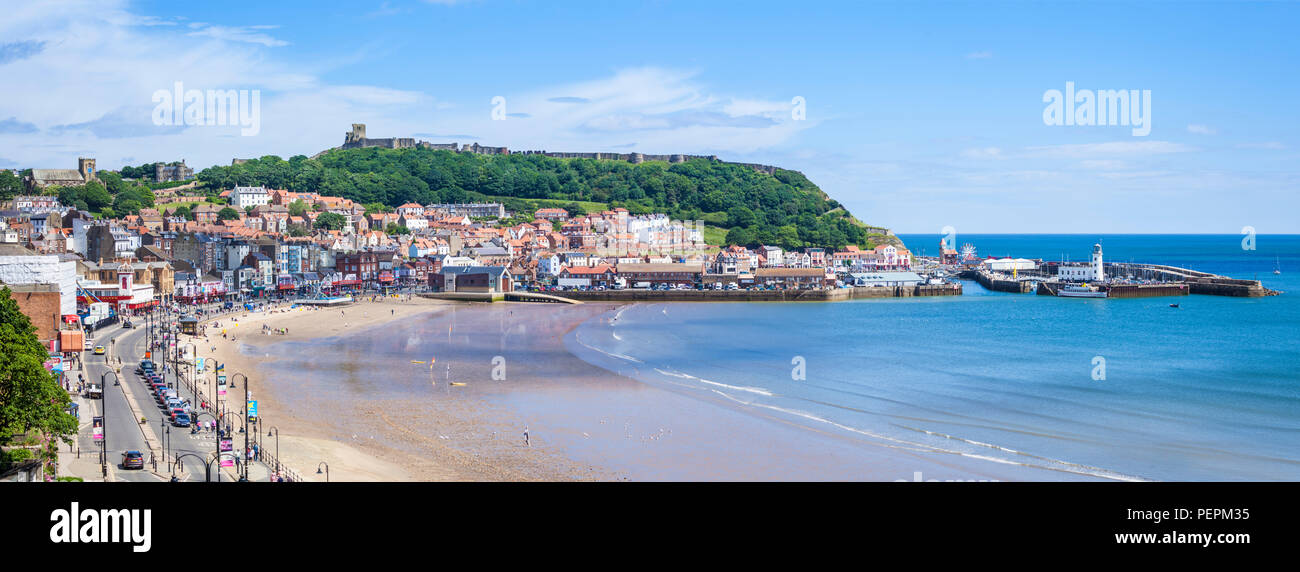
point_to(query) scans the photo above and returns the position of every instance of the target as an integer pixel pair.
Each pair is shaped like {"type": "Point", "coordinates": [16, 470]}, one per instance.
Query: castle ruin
{"type": "Point", "coordinates": [357, 139]}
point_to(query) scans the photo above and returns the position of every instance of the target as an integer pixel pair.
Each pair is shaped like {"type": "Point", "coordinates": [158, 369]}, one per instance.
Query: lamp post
{"type": "Point", "coordinates": [103, 388]}
{"type": "Point", "coordinates": [327, 470]}
{"type": "Point", "coordinates": [275, 431]}
{"type": "Point", "coordinates": [244, 429]}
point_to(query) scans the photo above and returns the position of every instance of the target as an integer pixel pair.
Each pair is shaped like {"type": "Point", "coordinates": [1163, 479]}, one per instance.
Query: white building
{"type": "Point", "coordinates": [244, 197]}
{"type": "Point", "coordinates": [1094, 271]}
{"type": "Point", "coordinates": [1009, 264]}
{"type": "Point", "coordinates": [20, 265]}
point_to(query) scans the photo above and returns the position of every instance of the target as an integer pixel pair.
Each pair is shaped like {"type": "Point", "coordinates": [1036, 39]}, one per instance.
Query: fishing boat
{"type": "Point", "coordinates": [1277, 265]}
{"type": "Point", "coordinates": [1083, 291]}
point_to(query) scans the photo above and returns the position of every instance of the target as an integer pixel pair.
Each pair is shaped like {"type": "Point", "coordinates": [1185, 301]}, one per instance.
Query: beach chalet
{"type": "Point", "coordinates": [489, 279]}
{"type": "Point", "coordinates": [792, 277]}
{"type": "Point", "coordinates": [886, 279]}
{"type": "Point", "coordinates": [641, 275]}
{"type": "Point", "coordinates": [189, 325]}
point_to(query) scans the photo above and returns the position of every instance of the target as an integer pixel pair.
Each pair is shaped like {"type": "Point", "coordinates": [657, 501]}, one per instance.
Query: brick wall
{"type": "Point", "coordinates": [43, 310]}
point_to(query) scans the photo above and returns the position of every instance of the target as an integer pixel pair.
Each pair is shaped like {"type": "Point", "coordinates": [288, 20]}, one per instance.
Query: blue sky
{"type": "Point", "coordinates": [918, 115]}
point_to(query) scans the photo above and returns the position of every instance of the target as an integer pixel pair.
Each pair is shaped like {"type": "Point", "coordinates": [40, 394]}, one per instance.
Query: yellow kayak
{"type": "Point", "coordinates": [458, 383]}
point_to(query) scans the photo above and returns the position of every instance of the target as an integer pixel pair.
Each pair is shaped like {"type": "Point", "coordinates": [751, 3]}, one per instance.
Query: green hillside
{"type": "Point", "coordinates": [785, 209]}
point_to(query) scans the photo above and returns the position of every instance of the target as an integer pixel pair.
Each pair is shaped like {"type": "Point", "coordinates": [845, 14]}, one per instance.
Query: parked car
{"type": "Point", "coordinates": [133, 460]}
{"type": "Point", "coordinates": [181, 420]}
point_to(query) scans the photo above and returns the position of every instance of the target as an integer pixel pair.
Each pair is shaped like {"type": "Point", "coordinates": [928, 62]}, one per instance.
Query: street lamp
{"type": "Point", "coordinates": [276, 431]}
{"type": "Point", "coordinates": [243, 429]}
{"type": "Point", "coordinates": [327, 470]}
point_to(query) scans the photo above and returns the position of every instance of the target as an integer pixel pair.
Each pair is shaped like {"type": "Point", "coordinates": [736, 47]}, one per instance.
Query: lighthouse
{"type": "Point", "coordinates": [1098, 273]}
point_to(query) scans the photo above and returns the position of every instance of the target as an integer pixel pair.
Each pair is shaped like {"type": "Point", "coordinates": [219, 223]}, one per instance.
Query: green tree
{"type": "Point", "coordinates": [394, 228]}
{"type": "Point", "coordinates": [10, 185]}
{"type": "Point", "coordinates": [330, 221]}
{"type": "Point", "coordinates": [228, 213]}
{"type": "Point", "coordinates": [30, 398]}
{"type": "Point", "coordinates": [184, 212]}
{"type": "Point", "coordinates": [96, 196]}
{"type": "Point", "coordinates": [297, 208]}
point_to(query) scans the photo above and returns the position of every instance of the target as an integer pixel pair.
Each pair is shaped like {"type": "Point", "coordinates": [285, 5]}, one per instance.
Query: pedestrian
{"type": "Point", "coordinates": [527, 442]}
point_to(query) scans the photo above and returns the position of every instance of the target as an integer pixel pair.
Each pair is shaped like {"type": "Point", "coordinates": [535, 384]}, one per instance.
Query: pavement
{"type": "Point", "coordinates": [125, 404]}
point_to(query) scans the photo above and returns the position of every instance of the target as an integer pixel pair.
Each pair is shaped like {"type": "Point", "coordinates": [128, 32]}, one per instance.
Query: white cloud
{"type": "Point", "coordinates": [1200, 129]}
{"type": "Point", "coordinates": [237, 34]}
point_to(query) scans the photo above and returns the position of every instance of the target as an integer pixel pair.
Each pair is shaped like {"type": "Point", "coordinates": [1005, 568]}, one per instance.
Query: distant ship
{"type": "Point", "coordinates": [1277, 265]}
{"type": "Point", "coordinates": [1084, 291]}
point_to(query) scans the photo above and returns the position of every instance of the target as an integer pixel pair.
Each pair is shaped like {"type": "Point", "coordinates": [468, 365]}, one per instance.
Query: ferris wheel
{"type": "Point", "coordinates": [968, 251]}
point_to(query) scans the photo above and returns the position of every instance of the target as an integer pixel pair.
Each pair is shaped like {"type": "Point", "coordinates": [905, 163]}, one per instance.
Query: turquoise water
{"type": "Point", "coordinates": [1207, 391]}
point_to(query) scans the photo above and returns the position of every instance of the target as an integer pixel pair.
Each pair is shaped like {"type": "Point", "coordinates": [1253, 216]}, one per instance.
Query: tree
{"type": "Point", "coordinates": [227, 213]}
{"type": "Point", "coordinates": [330, 221]}
{"type": "Point", "coordinates": [394, 228]}
{"type": "Point", "coordinates": [297, 208]}
{"type": "Point", "coordinates": [184, 212]}
{"type": "Point", "coordinates": [30, 398]}
{"type": "Point", "coordinates": [296, 230]}
{"type": "Point", "coordinates": [10, 185]}
{"type": "Point", "coordinates": [96, 196]}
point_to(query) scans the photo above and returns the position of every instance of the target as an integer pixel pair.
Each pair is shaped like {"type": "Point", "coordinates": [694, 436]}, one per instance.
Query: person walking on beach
{"type": "Point", "coordinates": [527, 443]}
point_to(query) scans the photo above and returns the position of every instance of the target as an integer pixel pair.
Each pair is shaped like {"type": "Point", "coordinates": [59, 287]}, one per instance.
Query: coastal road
{"type": "Point", "coordinates": [180, 441]}
{"type": "Point", "coordinates": [122, 428]}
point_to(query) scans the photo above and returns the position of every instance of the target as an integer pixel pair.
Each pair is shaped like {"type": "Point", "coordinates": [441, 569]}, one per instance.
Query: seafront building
{"type": "Point", "coordinates": [72, 259]}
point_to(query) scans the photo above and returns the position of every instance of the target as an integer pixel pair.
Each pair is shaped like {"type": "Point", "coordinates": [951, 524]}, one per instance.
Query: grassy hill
{"type": "Point", "coordinates": [750, 207]}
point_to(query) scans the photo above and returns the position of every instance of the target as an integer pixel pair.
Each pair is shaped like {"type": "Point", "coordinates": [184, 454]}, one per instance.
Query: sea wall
{"type": "Point", "coordinates": [825, 295]}
{"type": "Point", "coordinates": [1228, 287]}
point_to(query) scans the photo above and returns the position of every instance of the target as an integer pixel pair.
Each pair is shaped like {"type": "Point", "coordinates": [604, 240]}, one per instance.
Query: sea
{"type": "Point", "coordinates": [1124, 389]}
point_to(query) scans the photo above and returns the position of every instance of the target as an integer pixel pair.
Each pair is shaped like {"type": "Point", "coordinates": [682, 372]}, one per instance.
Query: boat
{"type": "Point", "coordinates": [1173, 305]}
{"type": "Point", "coordinates": [1084, 291]}
{"type": "Point", "coordinates": [1277, 265]}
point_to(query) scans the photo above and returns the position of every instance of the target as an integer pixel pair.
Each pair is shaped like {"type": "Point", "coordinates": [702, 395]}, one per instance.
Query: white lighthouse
{"type": "Point", "coordinates": [1098, 272]}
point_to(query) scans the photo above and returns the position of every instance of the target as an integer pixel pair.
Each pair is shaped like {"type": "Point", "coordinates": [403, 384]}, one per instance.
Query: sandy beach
{"type": "Point", "coordinates": [370, 438]}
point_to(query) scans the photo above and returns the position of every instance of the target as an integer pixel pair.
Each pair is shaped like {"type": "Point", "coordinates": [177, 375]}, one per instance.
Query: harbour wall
{"type": "Point", "coordinates": [997, 283]}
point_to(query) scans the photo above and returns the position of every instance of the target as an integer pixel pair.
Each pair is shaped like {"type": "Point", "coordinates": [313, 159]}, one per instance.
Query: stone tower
{"type": "Point", "coordinates": [87, 168]}
{"type": "Point", "coordinates": [357, 134]}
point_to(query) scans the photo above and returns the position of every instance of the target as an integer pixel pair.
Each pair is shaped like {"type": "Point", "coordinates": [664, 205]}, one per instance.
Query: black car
{"type": "Point", "coordinates": [133, 460]}
{"type": "Point", "coordinates": [127, 324]}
